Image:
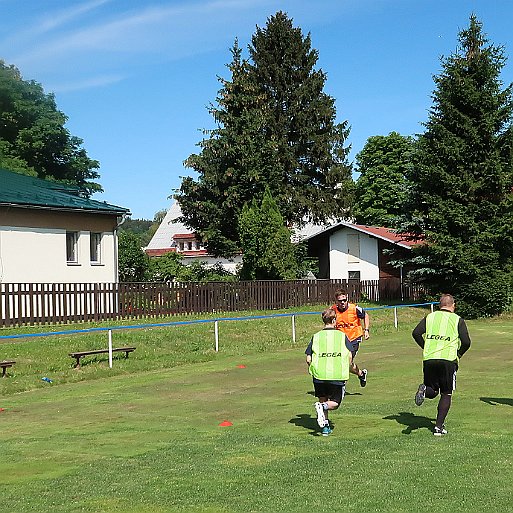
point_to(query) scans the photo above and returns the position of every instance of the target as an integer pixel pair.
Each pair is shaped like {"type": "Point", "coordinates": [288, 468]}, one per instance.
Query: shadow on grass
{"type": "Point", "coordinates": [494, 401]}
{"type": "Point", "coordinates": [411, 421]}
{"type": "Point", "coordinates": [347, 393]}
{"type": "Point", "coordinates": [306, 421]}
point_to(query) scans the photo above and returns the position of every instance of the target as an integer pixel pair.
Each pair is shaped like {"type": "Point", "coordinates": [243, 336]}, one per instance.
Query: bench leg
{"type": "Point", "coordinates": [3, 371]}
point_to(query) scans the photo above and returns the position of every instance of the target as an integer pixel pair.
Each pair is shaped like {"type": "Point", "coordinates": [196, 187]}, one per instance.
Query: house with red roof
{"type": "Point", "coordinates": [351, 251]}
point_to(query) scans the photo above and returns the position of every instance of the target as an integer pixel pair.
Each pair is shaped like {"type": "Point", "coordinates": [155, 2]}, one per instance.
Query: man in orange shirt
{"type": "Point", "coordinates": [349, 321]}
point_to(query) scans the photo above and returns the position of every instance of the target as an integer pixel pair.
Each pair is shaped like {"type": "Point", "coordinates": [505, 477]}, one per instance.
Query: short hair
{"type": "Point", "coordinates": [446, 300]}
{"type": "Point", "coordinates": [340, 292]}
{"type": "Point", "coordinates": [328, 316]}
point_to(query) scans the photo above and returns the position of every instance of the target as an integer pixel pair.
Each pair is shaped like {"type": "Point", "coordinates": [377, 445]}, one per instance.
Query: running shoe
{"type": "Point", "coordinates": [326, 430]}
{"type": "Point", "coordinates": [439, 431]}
{"type": "Point", "coordinates": [363, 378]}
{"type": "Point", "coordinates": [420, 395]}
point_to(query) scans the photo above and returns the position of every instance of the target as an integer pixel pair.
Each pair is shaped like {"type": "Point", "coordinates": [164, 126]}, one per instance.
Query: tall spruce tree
{"type": "Point", "coordinates": [275, 128]}
{"type": "Point", "coordinates": [381, 188]}
{"type": "Point", "coordinates": [235, 163]}
{"type": "Point", "coordinates": [461, 195]}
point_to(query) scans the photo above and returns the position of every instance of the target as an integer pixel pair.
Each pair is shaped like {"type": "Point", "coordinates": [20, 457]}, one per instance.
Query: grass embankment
{"type": "Point", "coordinates": [148, 439]}
{"type": "Point", "coordinates": [158, 347]}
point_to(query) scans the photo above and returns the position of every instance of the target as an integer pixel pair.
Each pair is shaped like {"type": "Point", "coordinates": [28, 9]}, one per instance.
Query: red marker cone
{"type": "Point", "coordinates": [226, 423]}
{"type": "Point", "coordinates": [241, 366]}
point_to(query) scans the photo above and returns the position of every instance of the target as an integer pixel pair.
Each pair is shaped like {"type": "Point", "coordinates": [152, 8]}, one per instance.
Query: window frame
{"type": "Point", "coordinates": [95, 247]}
{"type": "Point", "coordinates": [72, 237]}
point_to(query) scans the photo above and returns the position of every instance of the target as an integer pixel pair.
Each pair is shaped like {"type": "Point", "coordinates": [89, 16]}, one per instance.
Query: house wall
{"type": "Point", "coordinates": [33, 247]}
{"type": "Point", "coordinates": [341, 262]}
{"type": "Point", "coordinates": [229, 265]}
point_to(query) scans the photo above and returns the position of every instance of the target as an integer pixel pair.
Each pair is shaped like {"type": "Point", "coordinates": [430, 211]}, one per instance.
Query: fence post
{"type": "Point", "coordinates": [294, 329]}
{"type": "Point", "coordinates": [431, 307]}
{"type": "Point", "coordinates": [395, 317]}
{"type": "Point", "coordinates": [216, 331]}
{"type": "Point", "coordinates": [110, 349]}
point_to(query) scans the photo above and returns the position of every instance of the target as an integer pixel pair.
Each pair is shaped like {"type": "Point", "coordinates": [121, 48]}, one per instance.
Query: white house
{"type": "Point", "coordinates": [173, 236]}
{"type": "Point", "coordinates": [50, 234]}
{"type": "Point", "coordinates": [350, 251]}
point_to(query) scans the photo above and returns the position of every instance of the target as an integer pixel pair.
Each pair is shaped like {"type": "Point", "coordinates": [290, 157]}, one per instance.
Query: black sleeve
{"type": "Point", "coordinates": [417, 333]}
{"type": "Point", "coordinates": [464, 338]}
{"type": "Point", "coordinates": [309, 348]}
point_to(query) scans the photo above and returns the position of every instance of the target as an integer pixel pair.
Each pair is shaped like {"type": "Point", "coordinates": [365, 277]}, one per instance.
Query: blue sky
{"type": "Point", "coordinates": [135, 77]}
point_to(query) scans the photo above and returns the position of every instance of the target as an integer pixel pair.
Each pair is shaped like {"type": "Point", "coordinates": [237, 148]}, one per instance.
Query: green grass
{"type": "Point", "coordinates": [145, 435]}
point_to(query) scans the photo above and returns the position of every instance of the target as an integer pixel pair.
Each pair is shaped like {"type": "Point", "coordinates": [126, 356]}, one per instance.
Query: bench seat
{"type": "Point", "coordinates": [5, 365]}
{"type": "Point", "coordinates": [80, 354]}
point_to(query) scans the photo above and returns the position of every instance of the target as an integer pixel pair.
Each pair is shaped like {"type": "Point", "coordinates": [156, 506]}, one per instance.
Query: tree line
{"type": "Point", "coordinates": [277, 159]}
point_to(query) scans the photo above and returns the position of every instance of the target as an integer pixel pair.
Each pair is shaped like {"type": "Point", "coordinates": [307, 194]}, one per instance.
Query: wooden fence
{"type": "Point", "coordinates": [58, 303]}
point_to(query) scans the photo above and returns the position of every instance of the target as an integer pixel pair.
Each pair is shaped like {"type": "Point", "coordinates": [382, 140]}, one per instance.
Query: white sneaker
{"type": "Point", "coordinates": [440, 431]}
{"type": "Point", "coordinates": [321, 419]}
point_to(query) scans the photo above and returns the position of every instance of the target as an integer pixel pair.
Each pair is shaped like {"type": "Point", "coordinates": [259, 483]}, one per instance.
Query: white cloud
{"type": "Point", "coordinates": [150, 29]}
{"type": "Point", "coordinates": [88, 83]}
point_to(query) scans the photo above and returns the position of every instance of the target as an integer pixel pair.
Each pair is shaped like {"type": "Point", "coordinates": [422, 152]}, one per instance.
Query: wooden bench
{"type": "Point", "coordinates": [5, 364]}
{"type": "Point", "coordinates": [80, 354]}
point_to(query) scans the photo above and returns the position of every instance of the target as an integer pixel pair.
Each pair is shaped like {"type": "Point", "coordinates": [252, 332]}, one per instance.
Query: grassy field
{"type": "Point", "coordinates": [145, 435]}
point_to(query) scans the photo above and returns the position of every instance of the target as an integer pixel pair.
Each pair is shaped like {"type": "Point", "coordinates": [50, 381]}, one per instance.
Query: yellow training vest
{"type": "Point", "coordinates": [442, 340]}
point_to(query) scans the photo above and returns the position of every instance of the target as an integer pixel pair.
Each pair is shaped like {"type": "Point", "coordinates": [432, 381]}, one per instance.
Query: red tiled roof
{"type": "Point", "coordinates": [388, 234]}
{"type": "Point", "coordinates": [159, 252]}
{"type": "Point", "coordinates": [184, 236]}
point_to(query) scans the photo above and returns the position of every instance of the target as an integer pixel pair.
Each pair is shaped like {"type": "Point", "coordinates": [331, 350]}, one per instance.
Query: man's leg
{"type": "Point", "coordinates": [443, 409]}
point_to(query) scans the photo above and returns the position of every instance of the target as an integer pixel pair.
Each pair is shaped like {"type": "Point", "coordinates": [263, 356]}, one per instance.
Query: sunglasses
{"type": "Point", "coordinates": [343, 300]}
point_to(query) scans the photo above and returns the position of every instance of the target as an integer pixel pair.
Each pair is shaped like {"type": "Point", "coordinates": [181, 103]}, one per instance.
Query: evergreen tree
{"type": "Point", "coordinates": [267, 250]}
{"type": "Point", "coordinates": [380, 192]}
{"type": "Point", "coordinates": [315, 175]}
{"type": "Point", "coordinates": [275, 128]}
{"type": "Point", "coordinates": [234, 165]}
{"type": "Point", "coordinates": [33, 138]}
{"type": "Point", "coordinates": [461, 196]}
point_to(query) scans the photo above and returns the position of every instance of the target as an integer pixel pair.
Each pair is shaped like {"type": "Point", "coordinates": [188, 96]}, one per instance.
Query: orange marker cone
{"type": "Point", "coordinates": [241, 366]}
{"type": "Point", "coordinates": [226, 423]}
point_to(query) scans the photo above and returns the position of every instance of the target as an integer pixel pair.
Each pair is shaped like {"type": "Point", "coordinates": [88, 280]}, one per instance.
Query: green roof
{"type": "Point", "coordinates": [27, 191]}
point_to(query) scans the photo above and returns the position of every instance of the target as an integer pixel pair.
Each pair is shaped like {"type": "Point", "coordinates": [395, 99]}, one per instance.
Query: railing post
{"type": "Point", "coordinates": [395, 317]}
{"type": "Point", "coordinates": [216, 332]}
{"type": "Point", "coordinates": [110, 349]}
{"type": "Point", "coordinates": [294, 329]}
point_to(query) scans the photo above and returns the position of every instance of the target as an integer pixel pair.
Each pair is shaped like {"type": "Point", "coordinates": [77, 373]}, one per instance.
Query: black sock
{"type": "Point", "coordinates": [443, 409]}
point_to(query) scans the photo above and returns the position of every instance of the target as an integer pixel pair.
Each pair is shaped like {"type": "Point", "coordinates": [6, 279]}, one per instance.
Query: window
{"type": "Point", "coordinates": [72, 247]}
{"type": "Point", "coordinates": [353, 275]}
{"type": "Point", "coordinates": [353, 248]}
{"type": "Point", "coordinates": [95, 241]}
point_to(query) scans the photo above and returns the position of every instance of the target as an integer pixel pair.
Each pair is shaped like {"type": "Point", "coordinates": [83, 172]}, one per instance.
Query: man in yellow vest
{"type": "Point", "coordinates": [329, 362]}
{"type": "Point", "coordinates": [444, 338]}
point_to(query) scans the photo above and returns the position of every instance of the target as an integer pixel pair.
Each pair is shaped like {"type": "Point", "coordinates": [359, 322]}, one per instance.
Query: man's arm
{"type": "Point", "coordinates": [464, 338]}
{"type": "Point", "coordinates": [308, 353]}
{"type": "Point", "coordinates": [418, 333]}
{"type": "Point", "coordinates": [364, 321]}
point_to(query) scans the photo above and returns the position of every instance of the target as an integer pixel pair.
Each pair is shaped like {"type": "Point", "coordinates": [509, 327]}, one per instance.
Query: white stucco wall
{"type": "Point", "coordinates": [231, 265]}
{"type": "Point", "coordinates": [38, 255]}
{"type": "Point", "coordinates": [340, 264]}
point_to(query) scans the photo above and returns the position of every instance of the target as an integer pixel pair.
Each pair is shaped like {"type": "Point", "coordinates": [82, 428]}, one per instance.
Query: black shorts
{"type": "Point", "coordinates": [328, 389]}
{"type": "Point", "coordinates": [440, 375]}
{"type": "Point", "coordinates": [353, 346]}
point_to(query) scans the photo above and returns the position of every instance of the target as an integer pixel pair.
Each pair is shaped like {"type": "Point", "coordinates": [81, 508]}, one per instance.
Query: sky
{"type": "Point", "coordinates": [136, 77]}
